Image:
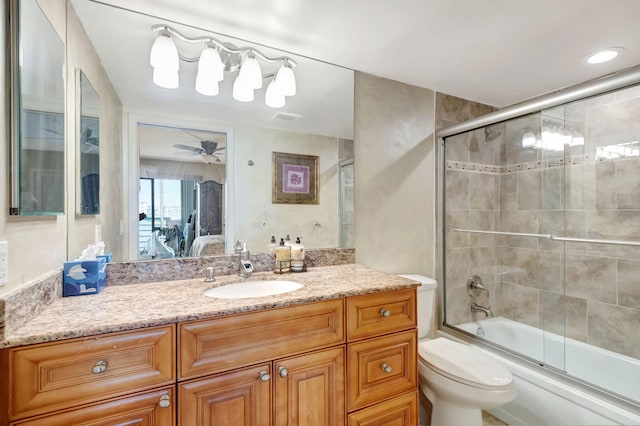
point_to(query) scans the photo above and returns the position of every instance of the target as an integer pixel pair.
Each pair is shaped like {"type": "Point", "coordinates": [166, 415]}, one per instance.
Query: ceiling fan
{"type": "Point", "coordinates": [209, 151]}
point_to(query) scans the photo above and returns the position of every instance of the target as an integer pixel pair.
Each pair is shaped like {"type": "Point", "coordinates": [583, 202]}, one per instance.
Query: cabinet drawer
{"type": "Point", "coordinates": [219, 344]}
{"type": "Point", "coordinates": [375, 314]}
{"type": "Point", "coordinates": [149, 409]}
{"type": "Point", "coordinates": [60, 375]}
{"type": "Point", "coordinates": [381, 368]}
{"type": "Point", "coordinates": [400, 411]}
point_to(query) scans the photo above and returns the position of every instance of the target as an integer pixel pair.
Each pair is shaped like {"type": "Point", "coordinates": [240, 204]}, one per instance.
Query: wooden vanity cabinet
{"type": "Point", "coordinates": [50, 378]}
{"type": "Point", "coordinates": [294, 374]}
{"type": "Point", "coordinates": [382, 359]}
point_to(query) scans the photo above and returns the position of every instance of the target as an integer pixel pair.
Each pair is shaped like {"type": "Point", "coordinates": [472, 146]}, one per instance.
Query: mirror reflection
{"type": "Point", "coordinates": [184, 195]}
{"type": "Point", "coordinates": [89, 147]}
{"type": "Point", "coordinates": [38, 127]}
{"type": "Point", "coordinates": [182, 178]}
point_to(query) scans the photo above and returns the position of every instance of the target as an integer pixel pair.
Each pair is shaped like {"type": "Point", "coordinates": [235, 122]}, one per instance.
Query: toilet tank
{"type": "Point", "coordinates": [426, 303]}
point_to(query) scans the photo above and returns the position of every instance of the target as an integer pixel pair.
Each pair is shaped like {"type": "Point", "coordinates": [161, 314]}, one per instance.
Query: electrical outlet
{"type": "Point", "coordinates": [4, 262]}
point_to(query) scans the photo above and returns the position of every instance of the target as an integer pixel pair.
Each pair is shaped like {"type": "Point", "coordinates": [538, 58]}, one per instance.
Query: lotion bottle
{"type": "Point", "coordinates": [283, 258]}
{"type": "Point", "coordinates": [297, 256]}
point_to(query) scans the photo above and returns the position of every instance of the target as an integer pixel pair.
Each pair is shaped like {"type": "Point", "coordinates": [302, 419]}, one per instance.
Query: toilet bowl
{"type": "Point", "coordinates": [459, 380]}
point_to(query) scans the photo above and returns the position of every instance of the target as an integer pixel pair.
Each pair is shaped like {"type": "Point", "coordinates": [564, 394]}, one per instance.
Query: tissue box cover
{"type": "Point", "coordinates": [82, 277]}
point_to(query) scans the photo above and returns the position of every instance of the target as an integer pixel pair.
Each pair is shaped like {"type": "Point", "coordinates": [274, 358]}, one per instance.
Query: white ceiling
{"type": "Point", "coordinates": [497, 52]}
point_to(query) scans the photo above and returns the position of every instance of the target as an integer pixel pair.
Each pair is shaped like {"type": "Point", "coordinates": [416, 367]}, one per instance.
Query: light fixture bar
{"type": "Point", "coordinates": [221, 45]}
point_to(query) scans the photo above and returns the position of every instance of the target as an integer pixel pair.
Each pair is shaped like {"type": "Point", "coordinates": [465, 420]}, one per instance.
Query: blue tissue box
{"type": "Point", "coordinates": [108, 257]}
{"type": "Point", "coordinates": [80, 277]}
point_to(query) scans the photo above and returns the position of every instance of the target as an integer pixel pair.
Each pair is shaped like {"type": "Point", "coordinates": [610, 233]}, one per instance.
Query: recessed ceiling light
{"type": "Point", "coordinates": [603, 55]}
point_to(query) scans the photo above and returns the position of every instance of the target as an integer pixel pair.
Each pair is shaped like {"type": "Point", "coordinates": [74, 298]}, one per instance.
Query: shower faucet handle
{"type": "Point", "coordinates": [475, 286]}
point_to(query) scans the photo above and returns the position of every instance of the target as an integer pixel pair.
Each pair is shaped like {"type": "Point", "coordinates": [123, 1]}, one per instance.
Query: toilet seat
{"type": "Point", "coordinates": [464, 364]}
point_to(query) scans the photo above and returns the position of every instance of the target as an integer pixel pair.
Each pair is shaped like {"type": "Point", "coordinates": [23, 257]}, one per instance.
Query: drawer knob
{"type": "Point", "coordinates": [283, 371]}
{"type": "Point", "coordinates": [100, 367]}
{"type": "Point", "coordinates": [384, 313]}
{"type": "Point", "coordinates": [264, 376]}
{"type": "Point", "coordinates": [165, 401]}
{"type": "Point", "coordinates": [386, 368]}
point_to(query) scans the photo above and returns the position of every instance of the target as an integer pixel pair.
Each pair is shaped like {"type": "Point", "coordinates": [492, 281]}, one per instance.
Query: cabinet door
{"type": "Point", "coordinates": [237, 398]}
{"type": "Point", "coordinates": [310, 390]}
{"type": "Point", "coordinates": [400, 411]}
{"type": "Point", "coordinates": [153, 408]}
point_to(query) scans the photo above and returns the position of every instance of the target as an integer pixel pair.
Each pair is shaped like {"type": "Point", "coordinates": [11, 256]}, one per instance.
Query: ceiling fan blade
{"type": "Point", "coordinates": [189, 148]}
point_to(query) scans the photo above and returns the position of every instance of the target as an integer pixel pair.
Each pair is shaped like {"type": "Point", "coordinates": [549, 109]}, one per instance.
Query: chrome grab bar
{"type": "Point", "coordinates": [551, 237]}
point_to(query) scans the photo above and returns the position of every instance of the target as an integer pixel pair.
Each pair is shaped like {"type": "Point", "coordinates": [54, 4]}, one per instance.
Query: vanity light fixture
{"type": "Point", "coordinates": [217, 58]}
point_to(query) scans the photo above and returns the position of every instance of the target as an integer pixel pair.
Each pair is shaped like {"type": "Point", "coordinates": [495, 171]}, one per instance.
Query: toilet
{"type": "Point", "coordinates": [459, 380]}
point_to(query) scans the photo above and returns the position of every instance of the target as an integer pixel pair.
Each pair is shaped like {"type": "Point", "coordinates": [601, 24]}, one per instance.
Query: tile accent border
{"type": "Point", "coordinates": [531, 165]}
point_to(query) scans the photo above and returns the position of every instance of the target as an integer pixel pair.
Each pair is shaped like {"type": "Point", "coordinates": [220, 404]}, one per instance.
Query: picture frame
{"type": "Point", "coordinates": [295, 179]}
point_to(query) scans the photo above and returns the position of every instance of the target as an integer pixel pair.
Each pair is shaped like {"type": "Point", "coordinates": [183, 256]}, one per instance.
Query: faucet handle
{"type": "Point", "coordinates": [208, 274]}
{"type": "Point", "coordinates": [238, 246]}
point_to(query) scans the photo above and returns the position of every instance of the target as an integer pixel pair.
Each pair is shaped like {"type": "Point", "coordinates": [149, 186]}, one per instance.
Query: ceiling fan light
{"type": "Point", "coordinates": [166, 78]}
{"type": "Point", "coordinates": [250, 72]}
{"type": "Point", "coordinates": [286, 80]}
{"type": "Point", "coordinates": [211, 64]}
{"type": "Point", "coordinates": [241, 91]}
{"type": "Point", "coordinates": [274, 97]}
{"type": "Point", "coordinates": [164, 53]}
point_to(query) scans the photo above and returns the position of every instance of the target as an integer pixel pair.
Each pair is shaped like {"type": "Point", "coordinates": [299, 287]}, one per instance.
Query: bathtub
{"type": "Point", "coordinates": [544, 398]}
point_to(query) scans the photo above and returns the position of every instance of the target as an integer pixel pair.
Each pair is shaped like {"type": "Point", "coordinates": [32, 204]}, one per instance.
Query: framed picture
{"type": "Point", "coordinates": [295, 179]}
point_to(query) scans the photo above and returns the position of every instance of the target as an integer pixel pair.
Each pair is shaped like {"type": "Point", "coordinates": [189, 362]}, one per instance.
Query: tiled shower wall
{"type": "Point", "coordinates": [590, 292]}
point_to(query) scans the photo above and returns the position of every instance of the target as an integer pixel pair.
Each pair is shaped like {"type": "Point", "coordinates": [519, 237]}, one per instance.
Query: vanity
{"type": "Point", "coordinates": [340, 350]}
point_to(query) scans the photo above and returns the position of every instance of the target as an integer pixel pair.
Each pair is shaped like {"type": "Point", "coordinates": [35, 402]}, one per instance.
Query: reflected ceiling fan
{"type": "Point", "coordinates": [209, 151]}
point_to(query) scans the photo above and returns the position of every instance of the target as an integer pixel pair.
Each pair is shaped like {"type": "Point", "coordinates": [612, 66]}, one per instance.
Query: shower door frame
{"type": "Point", "coordinates": [611, 82]}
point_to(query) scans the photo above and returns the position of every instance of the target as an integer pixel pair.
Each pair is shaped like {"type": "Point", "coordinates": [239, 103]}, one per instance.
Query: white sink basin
{"type": "Point", "coordinates": [248, 289]}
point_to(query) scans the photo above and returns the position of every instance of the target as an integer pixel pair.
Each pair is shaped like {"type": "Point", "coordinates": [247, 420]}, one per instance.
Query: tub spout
{"type": "Point", "coordinates": [479, 308]}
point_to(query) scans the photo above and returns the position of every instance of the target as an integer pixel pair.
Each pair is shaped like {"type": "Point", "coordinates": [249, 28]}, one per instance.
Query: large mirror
{"type": "Point", "coordinates": [199, 168]}
{"type": "Point", "coordinates": [88, 147]}
{"type": "Point", "coordinates": [37, 112]}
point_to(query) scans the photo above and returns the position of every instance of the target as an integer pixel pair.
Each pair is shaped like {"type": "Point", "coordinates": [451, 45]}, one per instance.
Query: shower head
{"type": "Point", "coordinates": [490, 133]}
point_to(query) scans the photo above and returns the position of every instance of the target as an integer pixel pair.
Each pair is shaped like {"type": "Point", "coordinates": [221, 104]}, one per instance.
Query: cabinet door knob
{"type": "Point", "coordinates": [282, 371]}
{"type": "Point", "coordinates": [100, 367]}
{"type": "Point", "coordinates": [165, 401]}
{"type": "Point", "coordinates": [264, 376]}
{"type": "Point", "coordinates": [384, 312]}
{"type": "Point", "coordinates": [386, 368]}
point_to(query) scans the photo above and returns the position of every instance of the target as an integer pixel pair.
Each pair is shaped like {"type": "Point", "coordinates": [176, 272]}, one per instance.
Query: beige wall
{"type": "Point", "coordinates": [253, 189]}
{"type": "Point", "coordinates": [394, 176]}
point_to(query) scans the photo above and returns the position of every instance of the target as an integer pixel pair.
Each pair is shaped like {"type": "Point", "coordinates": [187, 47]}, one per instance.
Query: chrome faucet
{"type": "Point", "coordinates": [246, 267]}
{"type": "Point", "coordinates": [479, 308]}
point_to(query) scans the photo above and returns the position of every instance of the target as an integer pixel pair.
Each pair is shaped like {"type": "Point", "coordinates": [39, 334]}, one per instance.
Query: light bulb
{"type": "Point", "coordinates": [164, 53]}
{"type": "Point", "coordinates": [165, 78]}
{"type": "Point", "coordinates": [250, 72]}
{"type": "Point", "coordinates": [241, 91]}
{"type": "Point", "coordinates": [286, 80]}
{"type": "Point", "coordinates": [210, 64]}
{"type": "Point", "coordinates": [274, 97]}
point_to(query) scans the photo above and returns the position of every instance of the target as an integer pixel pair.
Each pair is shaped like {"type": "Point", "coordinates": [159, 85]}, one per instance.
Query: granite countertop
{"type": "Point", "coordinates": [127, 307]}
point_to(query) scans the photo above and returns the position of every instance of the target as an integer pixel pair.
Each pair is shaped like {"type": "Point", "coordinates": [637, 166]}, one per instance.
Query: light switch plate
{"type": "Point", "coordinates": [4, 262]}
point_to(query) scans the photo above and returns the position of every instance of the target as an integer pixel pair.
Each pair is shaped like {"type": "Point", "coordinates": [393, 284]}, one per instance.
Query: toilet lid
{"type": "Point", "coordinates": [464, 364]}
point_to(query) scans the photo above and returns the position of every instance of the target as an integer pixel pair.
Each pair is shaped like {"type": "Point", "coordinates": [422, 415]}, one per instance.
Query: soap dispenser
{"type": "Point", "coordinates": [283, 258]}
{"type": "Point", "coordinates": [297, 256]}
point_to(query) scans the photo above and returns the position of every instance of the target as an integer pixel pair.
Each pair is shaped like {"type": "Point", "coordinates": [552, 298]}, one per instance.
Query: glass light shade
{"type": "Point", "coordinates": [250, 72]}
{"type": "Point", "coordinates": [528, 140]}
{"type": "Point", "coordinates": [241, 91]}
{"type": "Point", "coordinates": [165, 78]}
{"type": "Point", "coordinates": [206, 85]}
{"type": "Point", "coordinates": [274, 97]}
{"type": "Point", "coordinates": [164, 53]}
{"type": "Point", "coordinates": [210, 64]}
{"type": "Point", "coordinates": [286, 80]}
